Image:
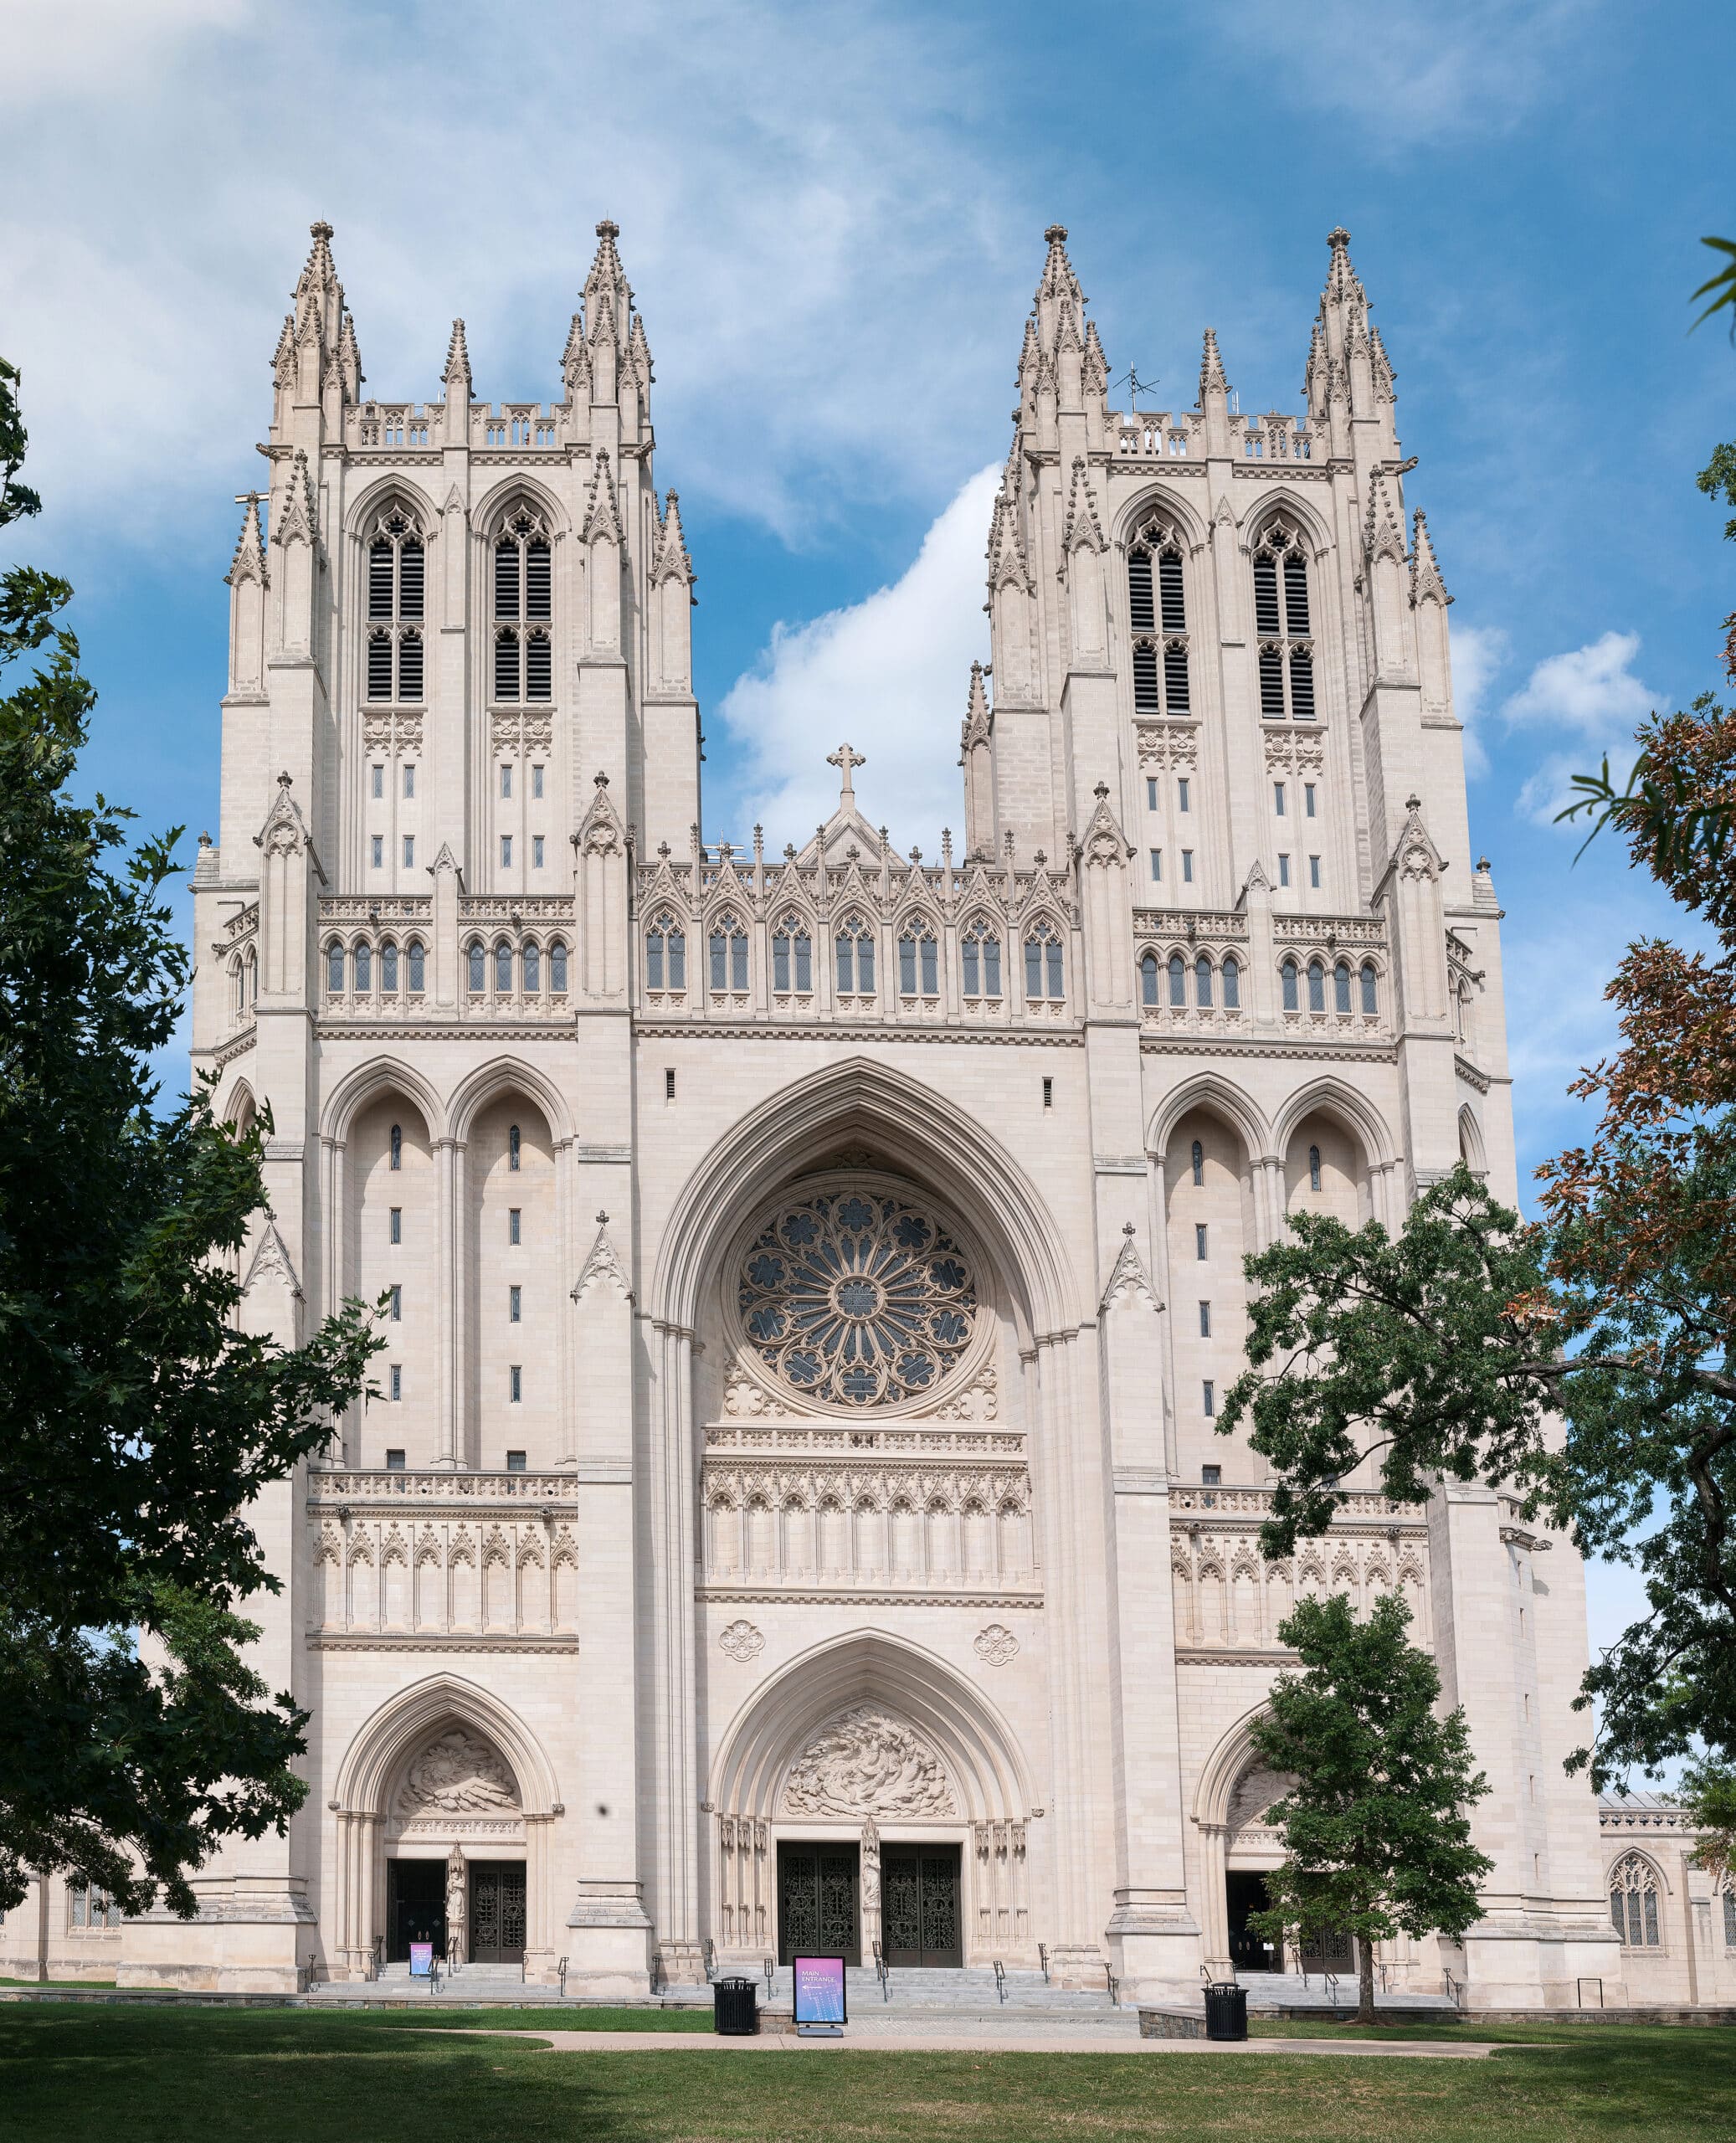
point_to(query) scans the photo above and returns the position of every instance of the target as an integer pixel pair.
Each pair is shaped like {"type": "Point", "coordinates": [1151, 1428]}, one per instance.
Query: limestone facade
{"type": "Point", "coordinates": [814, 1276]}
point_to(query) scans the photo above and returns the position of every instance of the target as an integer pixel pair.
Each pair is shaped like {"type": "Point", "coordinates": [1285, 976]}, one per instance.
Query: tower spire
{"type": "Point", "coordinates": [606, 287]}
{"type": "Point", "coordinates": [1057, 287]}
{"type": "Point", "coordinates": [456, 378]}
{"type": "Point", "coordinates": [1211, 369]}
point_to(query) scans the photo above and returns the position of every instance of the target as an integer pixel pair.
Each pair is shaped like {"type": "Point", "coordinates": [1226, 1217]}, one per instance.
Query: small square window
{"type": "Point", "coordinates": [394, 1462]}
{"type": "Point", "coordinates": [515, 1383]}
{"type": "Point", "coordinates": [376, 851]}
{"type": "Point", "coordinates": [1314, 872]}
{"type": "Point", "coordinates": [397, 1380]}
{"type": "Point", "coordinates": [1156, 866]}
{"type": "Point", "coordinates": [1151, 792]}
{"type": "Point", "coordinates": [515, 1305]}
{"type": "Point", "coordinates": [515, 1461]}
{"type": "Point", "coordinates": [1181, 791]}
{"type": "Point", "coordinates": [506, 781]}
{"type": "Point", "coordinates": [513, 1218]}
{"type": "Point", "coordinates": [536, 851]}
{"type": "Point", "coordinates": [409, 851]}
{"type": "Point", "coordinates": [1283, 870]}
{"type": "Point", "coordinates": [410, 781]}
{"type": "Point", "coordinates": [398, 1223]}
{"type": "Point", "coordinates": [397, 1305]}
{"type": "Point", "coordinates": [1211, 1477]}
{"type": "Point", "coordinates": [1309, 798]}
{"type": "Point", "coordinates": [1208, 1396]}
{"type": "Point", "coordinates": [1199, 1239]}
{"type": "Point", "coordinates": [505, 851]}
{"type": "Point", "coordinates": [536, 781]}
{"type": "Point", "coordinates": [379, 781]}
{"type": "Point", "coordinates": [1277, 798]}
{"type": "Point", "coordinates": [1187, 866]}
{"type": "Point", "coordinates": [1205, 1320]}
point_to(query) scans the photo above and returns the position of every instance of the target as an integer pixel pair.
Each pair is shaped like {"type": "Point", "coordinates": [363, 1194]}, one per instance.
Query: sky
{"type": "Point", "coordinates": [832, 217]}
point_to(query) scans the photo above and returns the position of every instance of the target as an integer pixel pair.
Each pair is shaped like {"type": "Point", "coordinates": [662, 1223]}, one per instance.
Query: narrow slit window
{"type": "Point", "coordinates": [1199, 1249]}
{"type": "Point", "coordinates": [1205, 1320]}
{"type": "Point", "coordinates": [515, 1305]}
{"type": "Point", "coordinates": [1209, 1396]}
{"type": "Point", "coordinates": [515, 1224]}
{"type": "Point", "coordinates": [515, 1383]}
{"type": "Point", "coordinates": [515, 1148]}
{"type": "Point", "coordinates": [1313, 1168]}
{"type": "Point", "coordinates": [1198, 1160]}
{"type": "Point", "coordinates": [395, 1232]}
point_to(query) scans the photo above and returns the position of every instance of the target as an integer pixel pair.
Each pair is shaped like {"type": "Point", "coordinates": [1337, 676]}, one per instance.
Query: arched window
{"type": "Point", "coordinates": [981, 951]}
{"type": "Point", "coordinates": [729, 954]}
{"type": "Point", "coordinates": [1729, 1915]}
{"type": "Point", "coordinates": [665, 955]}
{"type": "Point", "coordinates": [394, 609]}
{"type": "Point", "coordinates": [1148, 977]}
{"type": "Point", "coordinates": [252, 979]}
{"type": "Point", "coordinates": [1042, 963]}
{"type": "Point", "coordinates": [1288, 976]}
{"type": "Point", "coordinates": [557, 967]}
{"type": "Point", "coordinates": [334, 968]}
{"type": "Point", "coordinates": [1177, 979]}
{"type": "Point", "coordinates": [1282, 626]}
{"type": "Point", "coordinates": [533, 967]}
{"type": "Point", "coordinates": [364, 965]}
{"type": "Point", "coordinates": [1313, 1168]}
{"type": "Point", "coordinates": [1371, 1001]}
{"type": "Point", "coordinates": [1232, 983]}
{"type": "Point", "coordinates": [397, 1146]}
{"type": "Point", "coordinates": [416, 965]}
{"type": "Point", "coordinates": [1202, 982]}
{"type": "Point", "coordinates": [1341, 987]}
{"type": "Point", "coordinates": [503, 967]}
{"type": "Point", "coordinates": [477, 961]}
{"type": "Point", "coordinates": [388, 966]}
{"type": "Point", "coordinates": [1198, 1160]}
{"type": "Point", "coordinates": [919, 965]}
{"type": "Point", "coordinates": [1157, 612]}
{"type": "Point", "coordinates": [515, 1148]}
{"type": "Point", "coordinates": [854, 948]}
{"type": "Point", "coordinates": [1316, 986]}
{"type": "Point", "coordinates": [238, 987]}
{"type": "Point", "coordinates": [523, 608]}
{"type": "Point", "coordinates": [1633, 1902]}
{"type": "Point", "coordinates": [792, 955]}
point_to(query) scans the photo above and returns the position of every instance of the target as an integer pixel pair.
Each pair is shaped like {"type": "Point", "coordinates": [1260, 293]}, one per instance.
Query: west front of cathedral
{"type": "Point", "coordinates": [791, 1514]}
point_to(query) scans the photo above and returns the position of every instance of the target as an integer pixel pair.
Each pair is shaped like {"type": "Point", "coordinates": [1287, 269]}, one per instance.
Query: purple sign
{"type": "Point", "coordinates": [818, 1990]}
{"type": "Point", "coordinates": [421, 1959]}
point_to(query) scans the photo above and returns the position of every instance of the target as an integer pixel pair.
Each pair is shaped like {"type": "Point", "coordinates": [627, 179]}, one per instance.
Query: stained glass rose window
{"type": "Point", "coordinates": [855, 1297]}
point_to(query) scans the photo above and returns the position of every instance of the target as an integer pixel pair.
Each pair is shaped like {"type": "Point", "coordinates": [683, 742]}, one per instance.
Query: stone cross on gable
{"type": "Point", "coordinates": [846, 762]}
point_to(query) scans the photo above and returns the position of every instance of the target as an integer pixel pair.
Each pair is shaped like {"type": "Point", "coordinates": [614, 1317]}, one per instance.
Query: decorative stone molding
{"type": "Point", "coordinates": [866, 1764]}
{"type": "Point", "coordinates": [997, 1644]}
{"type": "Point", "coordinates": [741, 1641]}
{"type": "Point", "coordinates": [457, 1774]}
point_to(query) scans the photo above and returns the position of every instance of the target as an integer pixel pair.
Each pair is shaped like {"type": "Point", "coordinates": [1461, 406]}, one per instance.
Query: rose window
{"type": "Point", "coordinates": [855, 1297]}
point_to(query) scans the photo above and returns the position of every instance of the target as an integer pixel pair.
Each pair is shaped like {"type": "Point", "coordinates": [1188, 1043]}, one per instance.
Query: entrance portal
{"type": "Point", "coordinates": [415, 1907]}
{"type": "Point", "coordinates": [497, 1912]}
{"type": "Point", "coordinates": [920, 1919]}
{"type": "Point", "coordinates": [1245, 1892]}
{"type": "Point", "coordinates": [818, 1889]}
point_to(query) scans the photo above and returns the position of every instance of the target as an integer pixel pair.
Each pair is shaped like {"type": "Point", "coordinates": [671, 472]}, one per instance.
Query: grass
{"type": "Point", "coordinates": [163, 2075]}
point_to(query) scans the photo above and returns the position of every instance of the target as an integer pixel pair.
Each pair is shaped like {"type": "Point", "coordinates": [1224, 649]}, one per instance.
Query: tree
{"type": "Point", "coordinates": [138, 1421]}
{"type": "Point", "coordinates": [1376, 1838]}
{"type": "Point", "coordinates": [1707, 1791]}
{"type": "Point", "coordinates": [1448, 1349]}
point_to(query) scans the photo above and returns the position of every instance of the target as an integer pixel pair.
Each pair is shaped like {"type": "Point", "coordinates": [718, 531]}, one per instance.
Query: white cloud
{"type": "Point", "coordinates": [1590, 698]}
{"type": "Point", "coordinates": [1478, 654]}
{"type": "Point", "coordinates": [891, 674]}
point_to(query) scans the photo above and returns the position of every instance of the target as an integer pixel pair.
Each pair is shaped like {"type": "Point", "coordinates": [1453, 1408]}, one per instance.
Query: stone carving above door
{"type": "Point", "coordinates": [457, 1774]}
{"type": "Point", "coordinates": [862, 1763]}
{"type": "Point", "coordinates": [1254, 1793]}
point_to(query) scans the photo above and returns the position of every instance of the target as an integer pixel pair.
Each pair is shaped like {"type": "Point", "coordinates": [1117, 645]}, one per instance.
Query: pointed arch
{"type": "Point", "coordinates": [402, 1724]}
{"type": "Point", "coordinates": [981, 1753]}
{"type": "Point", "coordinates": [1224, 1768]}
{"type": "Point", "coordinates": [380, 1075]}
{"type": "Point", "coordinates": [489, 513]}
{"type": "Point", "coordinates": [1286, 502]}
{"type": "Point", "coordinates": [387, 491]}
{"type": "Point", "coordinates": [505, 1075]}
{"type": "Point", "coordinates": [1335, 1097]}
{"type": "Point", "coordinates": [1158, 498]}
{"type": "Point", "coordinates": [1471, 1149]}
{"type": "Point", "coordinates": [1208, 1090]}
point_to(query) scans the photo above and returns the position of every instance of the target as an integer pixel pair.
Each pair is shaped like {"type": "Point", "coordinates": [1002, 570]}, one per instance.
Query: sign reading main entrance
{"type": "Point", "coordinates": [920, 1919]}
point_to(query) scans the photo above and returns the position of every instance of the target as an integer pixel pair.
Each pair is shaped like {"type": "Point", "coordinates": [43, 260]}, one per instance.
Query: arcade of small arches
{"type": "Point", "coordinates": [918, 946]}
{"type": "Point", "coordinates": [360, 968]}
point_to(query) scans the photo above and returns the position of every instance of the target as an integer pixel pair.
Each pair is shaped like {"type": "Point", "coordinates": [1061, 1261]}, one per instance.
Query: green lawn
{"type": "Point", "coordinates": [159, 2075]}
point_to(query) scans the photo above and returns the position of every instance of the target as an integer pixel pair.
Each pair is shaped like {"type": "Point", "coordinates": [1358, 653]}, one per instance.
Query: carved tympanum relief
{"type": "Point", "coordinates": [457, 1774]}
{"type": "Point", "coordinates": [1254, 1793]}
{"type": "Point", "coordinates": [863, 1763]}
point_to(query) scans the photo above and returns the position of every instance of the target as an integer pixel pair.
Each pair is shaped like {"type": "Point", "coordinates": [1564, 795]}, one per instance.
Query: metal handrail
{"type": "Point", "coordinates": [561, 1973]}
{"type": "Point", "coordinates": [770, 1965]}
{"type": "Point", "coordinates": [1329, 1981]}
{"type": "Point", "coordinates": [1000, 1979]}
{"type": "Point", "coordinates": [1043, 1960]}
{"type": "Point", "coordinates": [1114, 1983]}
{"type": "Point", "coordinates": [882, 1973]}
{"type": "Point", "coordinates": [377, 1957]}
{"type": "Point", "coordinates": [1455, 1989]}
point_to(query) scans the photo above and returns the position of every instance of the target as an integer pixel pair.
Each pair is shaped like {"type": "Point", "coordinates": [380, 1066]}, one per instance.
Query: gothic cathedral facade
{"type": "Point", "coordinates": [791, 1512]}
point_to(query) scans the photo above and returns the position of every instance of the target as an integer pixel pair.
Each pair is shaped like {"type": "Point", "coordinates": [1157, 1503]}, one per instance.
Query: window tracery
{"type": "Point", "coordinates": [728, 950]}
{"type": "Point", "coordinates": [1156, 613]}
{"type": "Point", "coordinates": [665, 954]}
{"type": "Point", "coordinates": [855, 1296]}
{"type": "Point", "coordinates": [980, 952]}
{"type": "Point", "coordinates": [523, 606]}
{"type": "Point", "coordinates": [792, 956]}
{"type": "Point", "coordinates": [1633, 1902]}
{"type": "Point", "coordinates": [1282, 627]}
{"type": "Point", "coordinates": [919, 962]}
{"type": "Point", "coordinates": [395, 590]}
{"type": "Point", "coordinates": [1043, 974]}
{"type": "Point", "coordinates": [855, 949]}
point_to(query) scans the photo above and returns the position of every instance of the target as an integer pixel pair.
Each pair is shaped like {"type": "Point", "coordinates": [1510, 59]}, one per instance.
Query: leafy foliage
{"type": "Point", "coordinates": [1707, 1791]}
{"type": "Point", "coordinates": [1721, 287]}
{"type": "Point", "coordinates": [1375, 1834]}
{"type": "Point", "coordinates": [140, 1420]}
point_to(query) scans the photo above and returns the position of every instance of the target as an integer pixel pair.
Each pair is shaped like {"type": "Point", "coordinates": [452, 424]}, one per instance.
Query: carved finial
{"type": "Point", "coordinates": [1482, 863]}
{"type": "Point", "coordinates": [1413, 803]}
{"type": "Point", "coordinates": [602, 1219]}
{"type": "Point", "coordinates": [945, 847]}
{"type": "Point", "coordinates": [1039, 859]}
{"type": "Point", "coordinates": [1100, 791]}
{"type": "Point", "coordinates": [916, 855]}
{"type": "Point", "coordinates": [600, 780]}
{"type": "Point", "coordinates": [205, 841]}
{"type": "Point", "coordinates": [283, 779]}
{"type": "Point", "coordinates": [846, 761]}
{"type": "Point", "coordinates": [1127, 1228]}
{"type": "Point", "coordinates": [789, 851]}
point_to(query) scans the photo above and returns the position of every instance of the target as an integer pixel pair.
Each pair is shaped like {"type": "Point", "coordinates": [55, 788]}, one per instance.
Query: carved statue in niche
{"type": "Point", "coordinates": [458, 1898]}
{"type": "Point", "coordinates": [457, 1775]}
{"type": "Point", "coordinates": [1254, 1793]}
{"type": "Point", "coordinates": [863, 1763]}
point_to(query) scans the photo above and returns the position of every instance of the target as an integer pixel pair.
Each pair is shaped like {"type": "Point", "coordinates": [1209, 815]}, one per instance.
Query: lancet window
{"type": "Point", "coordinates": [665, 955]}
{"type": "Point", "coordinates": [728, 950]}
{"type": "Point", "coordinates": [792, 956]}
{"type": "Point", "coordinates": [1157, 615]}
{"type": "Point", "coordinates": [1043, 977]}
{"type": "Point", "coordinates": [1282, 626]}
{"type": "Point", "coordinates": [919, 964]}
{"type": "Point", "coordinates": [980, 952]}
{"type": "Point", "coordinates": [854, 948]}
{"type": "Point", "coordinates": [1633, 1902]}
{"type": "Point", "coordinates": [523, 593]}
{"type": "Point", "coordinates": [395, 584]}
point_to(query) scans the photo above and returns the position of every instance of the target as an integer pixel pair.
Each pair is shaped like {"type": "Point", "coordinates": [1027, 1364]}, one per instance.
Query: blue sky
{"type": "Point", "coordinates": [832, 217]}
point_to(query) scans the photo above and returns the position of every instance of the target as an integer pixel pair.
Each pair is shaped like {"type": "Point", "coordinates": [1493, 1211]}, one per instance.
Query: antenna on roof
{"type": "Point", "coordinates": [1136, 385]}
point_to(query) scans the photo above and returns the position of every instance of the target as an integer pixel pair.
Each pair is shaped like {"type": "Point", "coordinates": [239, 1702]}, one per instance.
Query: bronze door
{"type": "Point", "coordinates": [497, 1912]}
{"type": "Point", "coordinates": [415, 1907]}
{"type": "Point", "coordinates": [1332, 1952]}
{"type": "Point", "coordinates": [817, 1894]}
{"type": "Point", "coordinates": [920, 1919]}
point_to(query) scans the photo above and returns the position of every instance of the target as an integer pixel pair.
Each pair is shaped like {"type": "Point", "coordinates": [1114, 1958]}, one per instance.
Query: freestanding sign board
{"type": "Point", "coordinates": [421, 1959]}
{"type": "Point", "coordinates": [819, 1984]}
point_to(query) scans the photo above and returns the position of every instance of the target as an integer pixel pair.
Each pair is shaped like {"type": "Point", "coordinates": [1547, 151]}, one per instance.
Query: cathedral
{"type": "Point", "coordinates": [790, 1513]}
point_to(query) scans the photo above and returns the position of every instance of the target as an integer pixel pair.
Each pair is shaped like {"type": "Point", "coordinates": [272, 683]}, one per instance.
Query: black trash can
{"type": "Point", "coordinates": [1226, 2010]}
{"type": "Point", "coordinates": [735, 2011]}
